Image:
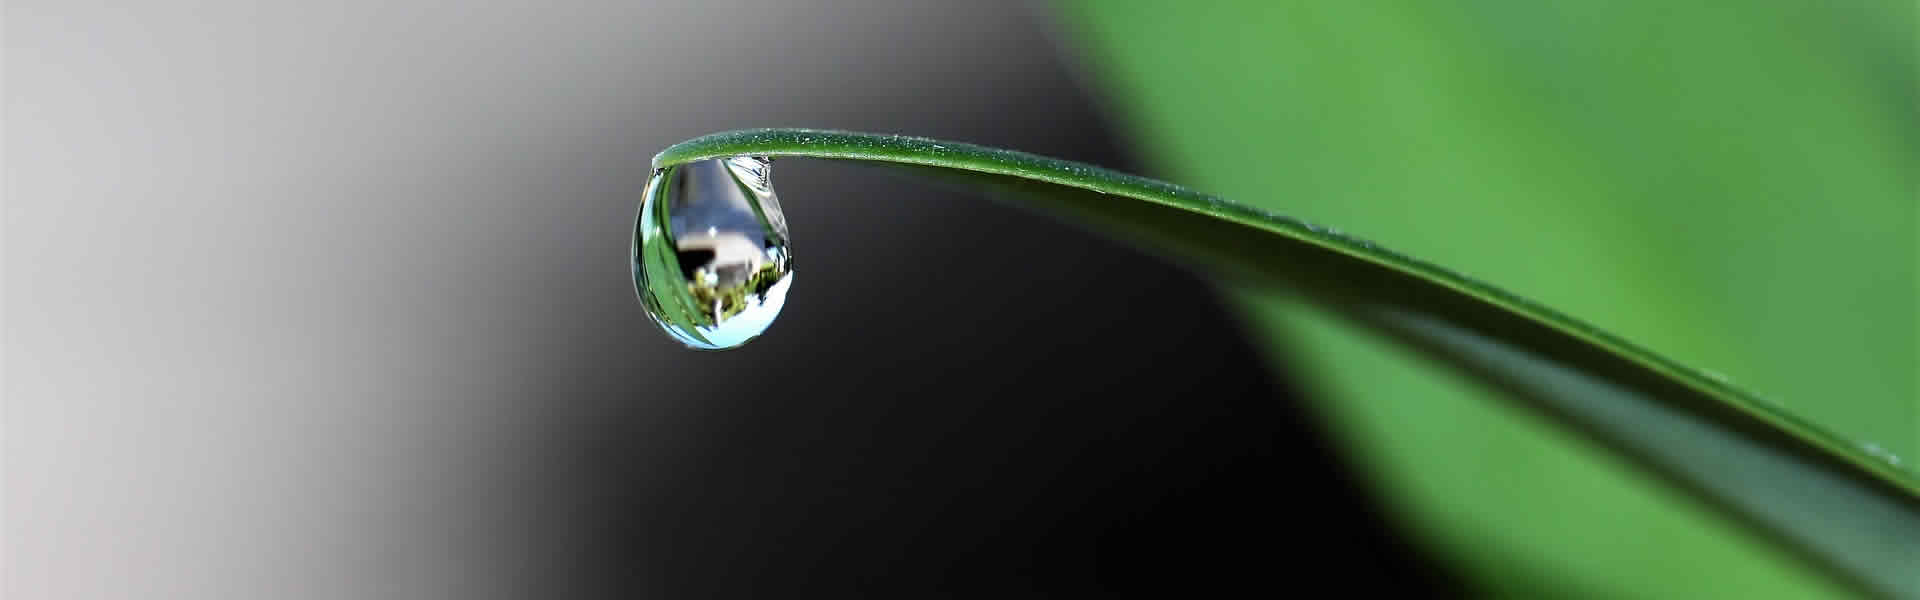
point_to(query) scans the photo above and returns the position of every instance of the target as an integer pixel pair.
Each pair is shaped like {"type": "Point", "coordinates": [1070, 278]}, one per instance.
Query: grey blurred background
{"type": "Point", "coordinates": [330, 300]}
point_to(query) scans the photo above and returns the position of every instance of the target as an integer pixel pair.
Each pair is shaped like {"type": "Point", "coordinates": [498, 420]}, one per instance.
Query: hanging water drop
{"type": "Point", "coordinates": [710, 255]}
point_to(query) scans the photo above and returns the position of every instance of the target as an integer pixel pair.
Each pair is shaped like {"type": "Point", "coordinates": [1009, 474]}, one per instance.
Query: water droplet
{"type": "Point", "coordinates": [1717, 376]}
{"type": "Point", "coordinates": [710, 254]}
{"type": "Point", "coordinates": [1880, 453]}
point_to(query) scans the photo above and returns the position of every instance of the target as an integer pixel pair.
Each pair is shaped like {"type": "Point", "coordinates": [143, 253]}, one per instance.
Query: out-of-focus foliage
{"type": "Point", "coordinates": [1732, 186]}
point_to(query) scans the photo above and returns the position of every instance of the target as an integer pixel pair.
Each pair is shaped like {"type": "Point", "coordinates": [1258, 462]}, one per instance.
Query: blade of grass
{"type": "Point", "coordinates": [1731, 186]}
{"type": "Point", "coordinates": [1850, 512]}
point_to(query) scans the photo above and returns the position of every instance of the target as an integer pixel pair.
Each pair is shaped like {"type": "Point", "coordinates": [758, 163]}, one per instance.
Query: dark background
{"type": "Point", "coordinates": [331, 301]}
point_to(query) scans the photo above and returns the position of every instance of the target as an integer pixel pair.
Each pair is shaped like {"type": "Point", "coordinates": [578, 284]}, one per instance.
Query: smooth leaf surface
{"type": "Point", "coordinates": [1731, 185]}
{"type": "Point", "coordinates": [1852, 514]}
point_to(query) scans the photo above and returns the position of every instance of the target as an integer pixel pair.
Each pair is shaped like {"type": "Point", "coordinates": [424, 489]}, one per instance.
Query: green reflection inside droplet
{"type": "Point", "coordinates": [710, 255]}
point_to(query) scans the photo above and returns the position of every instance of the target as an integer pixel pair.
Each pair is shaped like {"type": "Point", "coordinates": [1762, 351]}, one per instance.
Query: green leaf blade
{"type": "Point", "coordinates": [1852, 513]}
{"type": "Point", "coordinates": [1730, 185]}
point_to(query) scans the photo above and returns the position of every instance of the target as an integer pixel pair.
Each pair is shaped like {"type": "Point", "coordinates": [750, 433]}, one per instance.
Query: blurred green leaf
{"type": "Point", "coordinates": [1732, 185]}
{"type": "Point", "coordinates": [1841, 509]}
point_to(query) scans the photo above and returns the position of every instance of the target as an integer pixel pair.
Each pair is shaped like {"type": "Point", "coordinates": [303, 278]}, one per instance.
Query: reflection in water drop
{"type": "Point", "coordinates": [710, 258]}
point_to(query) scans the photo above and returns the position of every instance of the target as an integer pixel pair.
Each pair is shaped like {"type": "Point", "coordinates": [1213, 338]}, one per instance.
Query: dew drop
{"type": "Point", "coordinates": [710, 255]}
{"type": "Point", "coordinates": [1881, 453]}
